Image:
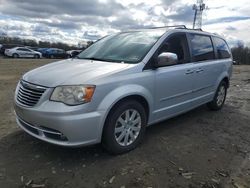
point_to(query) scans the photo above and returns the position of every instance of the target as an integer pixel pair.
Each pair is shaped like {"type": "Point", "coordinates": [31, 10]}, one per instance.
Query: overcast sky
{"type": "Point", "coordinates": [73, 20]}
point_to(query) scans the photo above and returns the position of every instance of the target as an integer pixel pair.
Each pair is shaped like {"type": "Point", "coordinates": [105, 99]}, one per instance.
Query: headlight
{"type": "Point", "coordinates": [73, 95]}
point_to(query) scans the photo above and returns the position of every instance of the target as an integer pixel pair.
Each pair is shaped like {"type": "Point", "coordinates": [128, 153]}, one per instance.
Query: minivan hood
{"type": "Point", "coordinates": [72, 72]}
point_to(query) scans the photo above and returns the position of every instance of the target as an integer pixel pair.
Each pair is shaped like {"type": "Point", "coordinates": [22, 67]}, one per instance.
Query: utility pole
{"type": "Point", "coordinates": [199, 7]}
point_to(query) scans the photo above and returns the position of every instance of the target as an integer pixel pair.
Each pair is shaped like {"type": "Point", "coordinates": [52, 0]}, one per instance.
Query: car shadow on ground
{"type": "Point", "coordinates": [167, 144]}
{"type": "Point", "coordinates": [20, 140]}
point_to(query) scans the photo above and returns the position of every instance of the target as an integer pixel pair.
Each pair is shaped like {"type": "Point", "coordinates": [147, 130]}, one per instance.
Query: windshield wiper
{"type": "Point", "coordinates": [99, 59]}
{"type": "Point", "coordinates": [93, 58]}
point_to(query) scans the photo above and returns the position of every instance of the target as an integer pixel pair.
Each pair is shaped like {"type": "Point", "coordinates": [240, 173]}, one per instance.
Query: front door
{"type": "Point", "coordinates": [173, 92]}
{"type": "Point", "coordinates": [174, 84]}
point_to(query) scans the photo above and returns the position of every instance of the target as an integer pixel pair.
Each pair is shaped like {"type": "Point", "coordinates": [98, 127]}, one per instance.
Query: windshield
{"type": "Point", "coordinates": [128, 47]}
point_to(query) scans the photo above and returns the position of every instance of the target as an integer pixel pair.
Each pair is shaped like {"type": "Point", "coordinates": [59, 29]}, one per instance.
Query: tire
{"type": "Point", "coordinates": [51, 56]}
{"type": "Point", "coordinates": [36, 56]}
{"type": "Point", "coordinates": [15, 55]}
{"type": "Point", "coordinates": [115, 143]}
{"type": "Point", "coordinates": [219, 98]}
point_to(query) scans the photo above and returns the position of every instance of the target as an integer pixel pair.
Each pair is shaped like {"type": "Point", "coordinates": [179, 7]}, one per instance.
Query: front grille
{"type": "Point", "coordinates": [29, 94]}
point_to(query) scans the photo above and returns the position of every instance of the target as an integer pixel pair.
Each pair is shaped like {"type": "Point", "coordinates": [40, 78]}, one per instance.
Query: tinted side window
{"type": "Point", "coordinates": [23, 49]}
{"type": "Point", "coordinates": [221, 48]}
{"type": "Point", "coordinates": [60, 51]}
{"type": "Point", "coordinates": [202, 48]}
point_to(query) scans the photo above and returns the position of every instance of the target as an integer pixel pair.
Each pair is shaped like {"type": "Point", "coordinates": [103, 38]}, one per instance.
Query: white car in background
{"type": "Point", "coordinates": [22, 52]}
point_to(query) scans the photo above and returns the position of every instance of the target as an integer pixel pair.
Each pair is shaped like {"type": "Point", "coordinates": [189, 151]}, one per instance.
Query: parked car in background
{"type": "Point", "coordinates": [22, 52]}
{"type": "Point", "coordinates": [55, 53]}
{"type": "Point", "coordinates": [0, 49]}
{"type": "Point", "coordinates": [236, 62]}
{"type": "Point", "coordinates": [42, 50]}
{"type": "Point", "coordinates": [73, 53]}
{"type": "Point", "coordinates": [32, 48]}
{"type": "Point", "coordinates": [8, 46]}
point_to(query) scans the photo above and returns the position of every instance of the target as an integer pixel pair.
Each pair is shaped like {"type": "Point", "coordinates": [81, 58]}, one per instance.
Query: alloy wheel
{"type": "Point", "coordinates": [127, 127]}
{"type": "Point", "coordinates": [221, 95]}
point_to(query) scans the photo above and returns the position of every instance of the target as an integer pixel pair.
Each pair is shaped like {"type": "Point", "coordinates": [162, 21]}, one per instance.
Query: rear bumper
{"type": "Point", "coordinates": [64, 129]}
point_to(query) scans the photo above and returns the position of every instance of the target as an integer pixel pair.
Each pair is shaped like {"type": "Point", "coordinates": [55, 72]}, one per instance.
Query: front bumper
{"type": "Point", "coordinates": [8, 54]}
{"type": "Point", "coordinates": [65, 128]}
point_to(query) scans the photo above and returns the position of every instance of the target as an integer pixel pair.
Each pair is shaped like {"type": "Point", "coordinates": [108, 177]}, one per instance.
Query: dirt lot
{"type": "Point", "coordinates": [198, 149]}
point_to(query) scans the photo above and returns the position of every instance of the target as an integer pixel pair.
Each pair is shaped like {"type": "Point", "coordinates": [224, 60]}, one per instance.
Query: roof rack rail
{"type": "Point", "coordinates": [195, 29]}
{"type": "Point", "coordinates": [175, 26]}
{"type": "Point", "coordinates": [170, 26]}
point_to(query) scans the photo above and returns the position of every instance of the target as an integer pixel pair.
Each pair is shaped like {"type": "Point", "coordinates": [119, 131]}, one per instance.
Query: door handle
{"type": "Point", "coordinates": [189, 72]}
{"type": "Point", "coordinates": [199, 70]}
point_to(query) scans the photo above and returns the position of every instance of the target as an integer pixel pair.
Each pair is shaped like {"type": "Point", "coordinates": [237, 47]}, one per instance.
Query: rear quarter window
{"type": "Point", "coordinates": [222, 49]}
{"type": "Point", "coordinates": [201, 47]}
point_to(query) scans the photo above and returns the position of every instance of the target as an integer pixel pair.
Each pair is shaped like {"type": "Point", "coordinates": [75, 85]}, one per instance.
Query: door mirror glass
{"type": "Point", "coordinates": [166, 59]}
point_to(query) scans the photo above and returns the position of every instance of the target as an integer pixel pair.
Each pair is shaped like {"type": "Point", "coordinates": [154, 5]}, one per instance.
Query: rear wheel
{"type": "Point", "coordinates": [219, 98]}
{"type": "Point", "coordinates": [36, 56]}
{"type": "Point", "coordinates": [15, 55]}
{"type": "Point", "coordinates": [125, 127]}
{"type": "Point", "coordinates": [51, 56]}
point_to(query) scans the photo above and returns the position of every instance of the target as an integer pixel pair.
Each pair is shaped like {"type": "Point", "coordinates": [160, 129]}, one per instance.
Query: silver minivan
{"type": "Point", "coordinates": [121, 84]}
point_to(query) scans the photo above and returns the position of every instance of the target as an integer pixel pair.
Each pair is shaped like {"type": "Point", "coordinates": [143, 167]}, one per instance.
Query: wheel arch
{"type": "Point", "coordinates": [223, 77]}
{"type": "Point", "coordinates": [13, 54]}
{"type": "Point", "coordinates": [137, 97]}
{"type": "Point", "coordinates": [37, 55]}
{"type": "Point", "coordinates": [226, 80]}
{"type": "Point", "coordinates": [213, 105]}
{"type": "Point", "coordinates": [108, 136]}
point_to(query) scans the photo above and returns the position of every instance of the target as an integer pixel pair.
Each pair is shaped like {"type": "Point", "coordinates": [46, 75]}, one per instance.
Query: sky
{"type": "Point", "coordinates": [72, 21]}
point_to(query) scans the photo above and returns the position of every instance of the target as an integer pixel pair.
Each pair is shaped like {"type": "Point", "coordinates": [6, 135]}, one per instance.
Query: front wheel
{"type": "Point", "coordinates": [15, 55]}
{"type": "Point", "coordinates": [125, 127]}
{"type": "Point", "coordinates": [219, 98]}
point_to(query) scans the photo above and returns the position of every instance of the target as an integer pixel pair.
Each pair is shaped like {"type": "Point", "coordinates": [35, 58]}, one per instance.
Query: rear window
{"type": "Point", "coordinates": [201, 47]}
{"type": "Point", "coordinates": [221, 48]}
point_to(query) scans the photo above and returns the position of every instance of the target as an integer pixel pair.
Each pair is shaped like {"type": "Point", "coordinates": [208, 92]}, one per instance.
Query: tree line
{"type": "Point", "coordinates": [34, 43]}
{"type": "Point", "coordinates": [241, 55]}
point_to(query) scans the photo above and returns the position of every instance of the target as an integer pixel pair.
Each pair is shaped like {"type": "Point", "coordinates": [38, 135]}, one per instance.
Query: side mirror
{"type": "Point", "coordinates": [166, 59]}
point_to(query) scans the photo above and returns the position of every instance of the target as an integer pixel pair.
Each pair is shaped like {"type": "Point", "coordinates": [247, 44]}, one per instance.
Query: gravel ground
{"type": "Point", "coordinates": [197, 149]}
